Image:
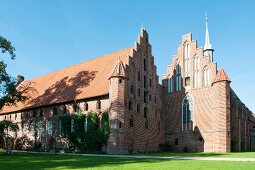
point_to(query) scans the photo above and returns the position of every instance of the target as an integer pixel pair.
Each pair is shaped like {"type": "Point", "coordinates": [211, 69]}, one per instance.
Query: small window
{"type": "Point", "coordinates": [131, 89]}
{"type": "Point", "coordinates": [10, 117]}
{"type": "Point", "coordinates": [144, 82]}
{"type": "Point", "coordinates": [145, 97]}
{"type": "Point", "coordinates": [86, 106]}
{"type": "Point", "coordinates": [41, 113]}
{"type": "Point", "coordinates": [98, 104]}
{"type": "Point", "coordinates": [145, 112]}
{"type": "Point", "coordinates": [34, 113]}
{"type": "Point", "coordinates": [144, 64]}
{"type": "Point", "coordinates": [176, 141]}
{"type": "Point", "coordinates": [120, 81]}
{"type": "Point", "coordinates": [75, 107]}
{"type": "Point", "coordinates": [129, 105]}
{"type": "Point", "coordinates": [158, 127]}
{"type": "Point", "coordinates": [139, 92]}
{"type": "Point", "coordinates": [119, 124]}
{"type": "Point", "coordinates": [55, 111]}
{"type": "Point", "coordinates": [131, 122]}
{"type": "Point", "coordinates": [138, 76]}
{"type": "Point", "coordinates": [138, 108]}
{"type": "Point", "coordinates": [15, 116]}
{"type": "Point", "coordinates": [150, 82]}
{"type": "Point", "coordinates": [64, 109]}
{"type": "Point", "coordinates": [187, 81]}
{"type": "Point", "coordinates": [5, 117]}
{"type": "Point", "coordinates": [146, 124]}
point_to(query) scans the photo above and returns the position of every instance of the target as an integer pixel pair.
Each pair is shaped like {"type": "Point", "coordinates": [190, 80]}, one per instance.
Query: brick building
{"type": "Point", "coordinates": [194, 108]}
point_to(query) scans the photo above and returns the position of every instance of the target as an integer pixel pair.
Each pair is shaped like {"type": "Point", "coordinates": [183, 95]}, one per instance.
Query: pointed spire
{"type": "Point", "coordinates": [208, 50]}
{"type": "Point", "coordinates": [208, 45]}
{"type": "Point", "coordinates": [118, 70]}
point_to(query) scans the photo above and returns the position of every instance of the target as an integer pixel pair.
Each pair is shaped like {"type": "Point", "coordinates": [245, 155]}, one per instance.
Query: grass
{"type": "Point", "coordinates": [203, 154]}
{"type": "Point", "coordinates": [59, 162]}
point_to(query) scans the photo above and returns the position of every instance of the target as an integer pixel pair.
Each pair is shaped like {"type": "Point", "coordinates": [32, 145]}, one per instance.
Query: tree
{"type": "Point", "coordinates": [10, 91]}
{"type": "Point", "coordinates": [6, 127]}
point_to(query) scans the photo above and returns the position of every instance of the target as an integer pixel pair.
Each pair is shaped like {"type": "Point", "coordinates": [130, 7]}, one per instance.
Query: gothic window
{"type": "Point", "coordinates": [170, 85]}
{"type": "Point", "coordinates": [178, 77]}
{"type": "Point", "coordinates": [196, 72]}
{"type": "Point", "coordinates": [187, 114]}
{"type": "Point", "coordinates": [206, 77]}
{"type": "Point", "coordinates": [187, 59]}
{"type": "Point", "coordinates": [144, 64]}
{"type": "Point", "coordinates": [145, 112]}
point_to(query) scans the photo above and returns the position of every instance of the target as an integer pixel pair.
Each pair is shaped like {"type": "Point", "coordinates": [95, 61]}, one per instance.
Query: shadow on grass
{"type": "Point", "coordinates": [50, 161]}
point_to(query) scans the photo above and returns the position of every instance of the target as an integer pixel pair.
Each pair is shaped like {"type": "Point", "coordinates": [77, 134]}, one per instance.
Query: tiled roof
{"type": "Point", "coordinates": [221, 76]}
{"type": "Point", "coordinates": [119, 70]}
{"type": "Point", "coordinates": [84, 80]}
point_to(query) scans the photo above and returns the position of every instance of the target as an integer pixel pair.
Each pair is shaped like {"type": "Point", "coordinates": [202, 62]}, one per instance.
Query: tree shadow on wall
{"type": "Point", "coordinates": [65, 89]}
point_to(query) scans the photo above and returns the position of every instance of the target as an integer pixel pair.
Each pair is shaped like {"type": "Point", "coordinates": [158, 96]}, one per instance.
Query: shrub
{"type": "Point", "coordinates": [166, 146]}
{"type": "Point", "coordinates": [185, 149]}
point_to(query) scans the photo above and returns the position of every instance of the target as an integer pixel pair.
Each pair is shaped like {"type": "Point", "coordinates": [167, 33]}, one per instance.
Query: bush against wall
{"type": "Point", "coordinates": [84, 133]}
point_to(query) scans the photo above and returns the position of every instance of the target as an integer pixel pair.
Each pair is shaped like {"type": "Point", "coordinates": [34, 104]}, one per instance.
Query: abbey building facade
{"type": "Point", "coordinates": [195, 108]}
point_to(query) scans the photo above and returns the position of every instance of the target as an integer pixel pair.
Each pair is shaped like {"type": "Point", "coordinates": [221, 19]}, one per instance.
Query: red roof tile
{"type": "Point", "coordinates": [84, 80]}
{"type": "Point", "coordinates": [221, 76]}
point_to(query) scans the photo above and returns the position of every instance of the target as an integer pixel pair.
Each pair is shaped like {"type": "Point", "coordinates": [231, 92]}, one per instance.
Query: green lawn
{"type": "Point", "coordinates": [51, 161]}
{"type": "Point", "coordinates": [204, 154]}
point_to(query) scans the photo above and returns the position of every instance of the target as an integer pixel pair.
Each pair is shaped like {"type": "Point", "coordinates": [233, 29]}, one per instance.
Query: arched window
{"type": "Point", "coordinates": [178, 77]}
{"type": "Point", "coordinates": [187, 114]}
{"type": "Point", "coordinates": [196, 72]}
{"type": "Point", "coordinates": [206, 76]}
{"type": "Point", "coordinates": [187, 59]}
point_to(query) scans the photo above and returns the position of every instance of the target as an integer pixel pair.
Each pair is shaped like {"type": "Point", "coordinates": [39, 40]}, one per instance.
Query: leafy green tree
{"type": "Point", "coordinates": [87, 135]}
{"type": "Point", "coordinates": [7, 126]}
{"type": "Point", "coordinates": [9, 93]}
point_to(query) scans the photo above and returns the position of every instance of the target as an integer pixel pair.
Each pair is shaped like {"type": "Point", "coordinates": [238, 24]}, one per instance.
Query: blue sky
{"type": "Point", "coordinates": [52, 34]}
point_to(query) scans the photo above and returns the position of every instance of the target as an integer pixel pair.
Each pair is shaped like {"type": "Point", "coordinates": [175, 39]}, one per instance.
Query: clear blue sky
{"type": "Point", "coordinates": [52, 34]}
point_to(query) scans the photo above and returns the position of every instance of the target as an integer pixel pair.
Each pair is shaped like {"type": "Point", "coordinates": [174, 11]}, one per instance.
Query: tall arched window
{"type": "Point", "coordinates": [187, 114]}
{"type": "Point", "coordinates": [206, 76]}
{"type": "Point", "coordinates": [170, 85]}
{"type": "Point", "coordinates": [196, 72]}
{"type": "Point", "coordinates": [187, 59]}
{"type": "Point", "coordinates": [178, 77]}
